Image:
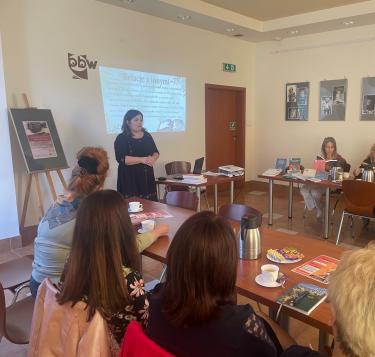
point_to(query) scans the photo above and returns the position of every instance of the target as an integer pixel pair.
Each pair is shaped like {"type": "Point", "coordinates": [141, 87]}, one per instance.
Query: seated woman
{"type": "Point", "coordinates": [368, 162]}
{"type": "Point", "coordinates": [103, 266]}
{"type": "Point", "coordinates": [194, 313]}
{"type": "Point", "coordinates": [312, 194]}
{"type": "Point", "coordinates": [55, 230]}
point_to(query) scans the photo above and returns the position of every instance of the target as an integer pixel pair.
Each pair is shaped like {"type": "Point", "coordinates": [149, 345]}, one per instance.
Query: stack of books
{"type": "Point", "coordinates": [193, 179]}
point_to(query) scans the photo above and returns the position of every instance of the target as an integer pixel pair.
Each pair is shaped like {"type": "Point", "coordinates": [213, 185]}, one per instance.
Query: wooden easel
{"type": "Point", "coordinates": [37, 182]}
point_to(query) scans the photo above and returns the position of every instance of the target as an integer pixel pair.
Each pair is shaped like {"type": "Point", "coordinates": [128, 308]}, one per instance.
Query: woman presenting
{"type": "Point", "coordinates": [136, 154]}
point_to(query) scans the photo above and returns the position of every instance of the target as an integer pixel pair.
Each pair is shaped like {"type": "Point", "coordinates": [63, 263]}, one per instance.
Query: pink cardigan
{"type": "Point", "coordinates": [62, 330]}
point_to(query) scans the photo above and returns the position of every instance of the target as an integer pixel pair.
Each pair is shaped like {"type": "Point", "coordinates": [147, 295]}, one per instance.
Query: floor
{"type": "Point", "coordinates": [255, 195]}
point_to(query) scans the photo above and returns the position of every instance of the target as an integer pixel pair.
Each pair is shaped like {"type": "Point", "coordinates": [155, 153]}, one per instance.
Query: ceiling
{"type": "Point", "coordinates": [258, 20]}
{"type": "Point", "coordinates": [273, 9]}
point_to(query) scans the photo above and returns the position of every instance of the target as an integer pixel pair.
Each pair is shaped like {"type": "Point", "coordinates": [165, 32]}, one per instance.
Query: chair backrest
{"type": "Point", "coordinates": [177, 167]}
{"type": "Point", "coordinates": [235, 212]}
{"type": "Point", "coordinates": [359, 197]}
{"type": "Point", "coordinates": [72, 334]}
{"type": "Point", "coordinates": [137, 344]}
{"type": "Point", "coordinates": [183, 199]}
{"type": "Point", "coordinates": [2, 312]}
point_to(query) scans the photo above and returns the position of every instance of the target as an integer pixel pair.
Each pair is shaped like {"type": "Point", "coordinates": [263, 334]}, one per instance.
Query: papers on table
{"type": "Point", "coordinates": [272, 172]}
{"type": "Point", "coordinates": [210, 173]}
{"type": "Point", "coordinates": [139, 217]}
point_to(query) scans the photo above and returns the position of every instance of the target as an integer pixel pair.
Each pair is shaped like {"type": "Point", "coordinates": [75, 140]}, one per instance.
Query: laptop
{"type": "Point", "coordinates": [198, 165]}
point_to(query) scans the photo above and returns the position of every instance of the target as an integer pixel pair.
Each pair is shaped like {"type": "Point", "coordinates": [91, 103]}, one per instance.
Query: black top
{"type": "Point", "coordinates": [237, 331]}
{"type": "Point", "coordinates": [300, 351]}
{"type": "Point", "coordinates": [135, 180]}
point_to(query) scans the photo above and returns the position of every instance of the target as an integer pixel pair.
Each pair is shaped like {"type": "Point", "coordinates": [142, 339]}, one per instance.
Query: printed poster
{"type": "Point", "coordinates": [40, 139]}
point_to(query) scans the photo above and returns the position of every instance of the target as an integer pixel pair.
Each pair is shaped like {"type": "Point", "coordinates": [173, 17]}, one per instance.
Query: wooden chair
{"type": "Point", "coordinates": [181, 167]}
{"type": "Point", "coordinates": [15, 274]}
{"type": "Point", "coordinates": [359, 198]}
{"type": "Point", "coordinates": [137, 344]}
{"type": "Point", "coordinates": [174, 168]}
{"type": "Point", "coordinates": [235, 212]}
{"type": "Point", "coordinates": [338, 193]}
{"type": "Point", "coordinates": [183, 199]}
{"type": "Point", "coordinates": [15, 320]}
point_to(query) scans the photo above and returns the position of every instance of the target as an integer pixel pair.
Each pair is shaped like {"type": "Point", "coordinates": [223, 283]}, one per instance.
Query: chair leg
{"type": "Point", "coordinates": [339, 232]}
{"type": "Point", "coordinates": [18, 290]}
{"type": "Point", "coordinates": [207, 203]}
{"type": "Point", "coordinates": [334, 209]}
{"type": "Point", "coordinates": [162, 275]}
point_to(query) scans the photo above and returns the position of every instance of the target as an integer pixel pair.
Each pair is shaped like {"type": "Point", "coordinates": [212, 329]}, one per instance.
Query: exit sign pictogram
{"type": "Point", "coordinates": [229, 67]}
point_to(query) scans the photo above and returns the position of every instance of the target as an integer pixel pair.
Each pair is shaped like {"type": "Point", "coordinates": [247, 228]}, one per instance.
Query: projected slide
{"type": "Point", "coordinates": [161, 98]}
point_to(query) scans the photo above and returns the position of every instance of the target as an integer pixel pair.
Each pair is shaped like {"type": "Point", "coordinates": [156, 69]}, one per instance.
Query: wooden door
{"type": "Point", "coordinates": [225, 126]}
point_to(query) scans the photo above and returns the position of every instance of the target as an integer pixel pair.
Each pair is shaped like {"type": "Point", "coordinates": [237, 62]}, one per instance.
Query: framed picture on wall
{"type": "Point", "coordinates": [38, 138]}
{"type": "Point", "coordinates": [333, 100]}
{"type": "Point", "coordinates": [297, 101]}
{"type": "Point", "coordinates": [368, 99]}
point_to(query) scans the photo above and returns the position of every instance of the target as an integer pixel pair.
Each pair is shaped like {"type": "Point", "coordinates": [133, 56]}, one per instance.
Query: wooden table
{"type": "Point", "coordinates": [211, 181]}
{"type": "Point", "coordinates": [248, 269]}
{"type": "Point", "coordinates": [327, 184]}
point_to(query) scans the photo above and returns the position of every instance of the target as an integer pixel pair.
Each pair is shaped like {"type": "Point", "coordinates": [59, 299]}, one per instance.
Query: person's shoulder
{"type": "Point", "coordinates": [121, 136]}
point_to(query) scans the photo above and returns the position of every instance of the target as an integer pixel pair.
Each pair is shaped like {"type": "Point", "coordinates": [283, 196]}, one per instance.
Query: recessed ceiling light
{"type": "Point", "coordinates": [238, 35]}
{"type": "Point", "coordinates": [230, 30]}
{"type": "Point", "coordinates": [184, 17]}
{"type": "Point", "coordinates": [348, 23]}
{"type": "Point", "coordinates": [293, 32]}
{"type": "Point", "coordinates": [278, 38]}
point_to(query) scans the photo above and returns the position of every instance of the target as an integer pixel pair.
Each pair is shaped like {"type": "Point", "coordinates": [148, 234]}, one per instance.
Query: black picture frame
{"type": "Point", "coordinates": [297, 96]}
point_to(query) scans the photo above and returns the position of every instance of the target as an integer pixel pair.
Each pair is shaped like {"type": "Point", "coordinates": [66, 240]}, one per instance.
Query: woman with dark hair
{"type": "Point", "coordinates": [55, 231]}
{"type": "Point", "coordinates": [136, 154]}
{"type": "Point", "coordinates": [312, 194]}
{"type": "Point", "coordinates": [194, 313]}
{"type": "Point", "coordinates": [103, 266]}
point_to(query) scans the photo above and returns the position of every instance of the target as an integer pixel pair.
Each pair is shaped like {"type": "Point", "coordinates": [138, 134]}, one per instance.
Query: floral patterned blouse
{"type": "Point", "coordinates": [138, 310]}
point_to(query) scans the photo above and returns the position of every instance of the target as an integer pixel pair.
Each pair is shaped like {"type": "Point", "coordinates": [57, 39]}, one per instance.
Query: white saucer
{"type": "Point", "coordinates": [259, 280]}
{"type": "Point", "coordinates": [136, 211]}
{"type": "Point", "coordinates": [141, 231]}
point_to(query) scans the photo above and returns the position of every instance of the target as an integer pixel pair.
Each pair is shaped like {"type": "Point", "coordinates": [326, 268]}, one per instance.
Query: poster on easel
{"type": "Point", "coordinates": [38, 138]}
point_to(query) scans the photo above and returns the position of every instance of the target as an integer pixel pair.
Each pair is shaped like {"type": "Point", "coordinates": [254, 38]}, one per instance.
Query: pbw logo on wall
{"type": "Point", "coordinates": [79, 65]}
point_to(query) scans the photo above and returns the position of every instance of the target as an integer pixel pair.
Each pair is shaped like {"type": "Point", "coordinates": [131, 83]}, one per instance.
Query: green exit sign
{"type": "Point", "coordinates": [228, 67]}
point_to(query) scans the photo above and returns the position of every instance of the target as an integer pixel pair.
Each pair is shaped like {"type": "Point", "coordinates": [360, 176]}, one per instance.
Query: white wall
{"type": "Point", "coordinates": [38, 34]}
{"type": "Point", "coordinates": [296, 62]}
{"type": "Point", "coordinates": [8, 210]}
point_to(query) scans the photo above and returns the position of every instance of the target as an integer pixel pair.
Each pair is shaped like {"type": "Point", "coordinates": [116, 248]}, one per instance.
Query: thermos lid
{"type": "Point", "coordinates": [251, 221]}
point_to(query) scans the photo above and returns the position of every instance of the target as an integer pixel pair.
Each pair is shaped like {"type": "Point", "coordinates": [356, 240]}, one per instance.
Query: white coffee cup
{"type": "Point", "coordinates": [270, 273]}
{"type": "Point", "coordinates": [148, 225]}
{"type": "Point", "coordinates": [346, 175]}
{"type": "Point", "coordinates": [135, 206]}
